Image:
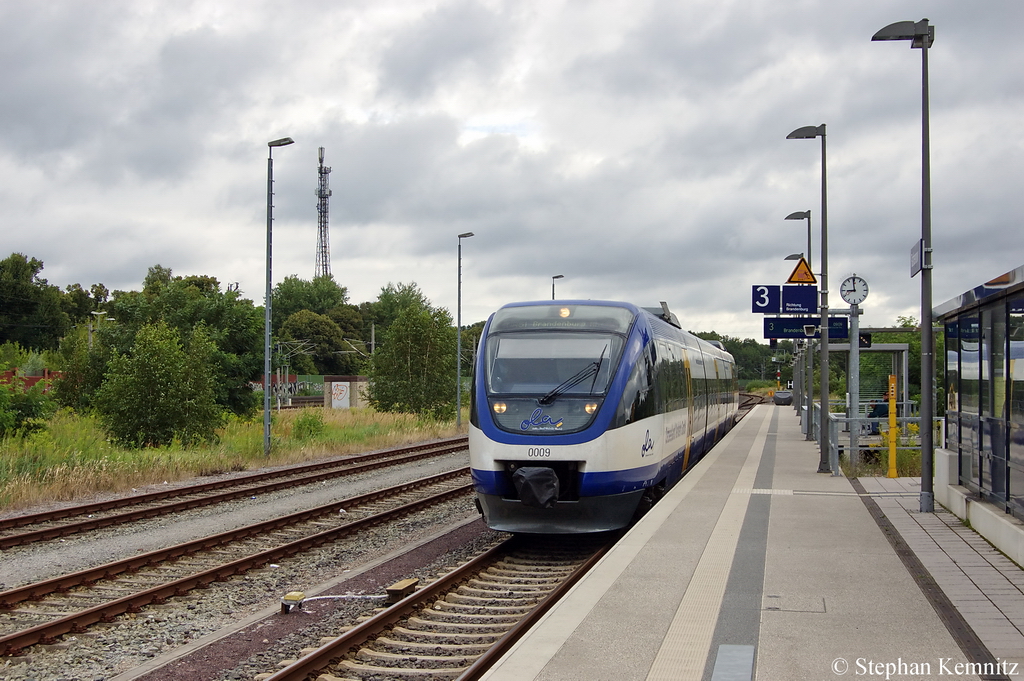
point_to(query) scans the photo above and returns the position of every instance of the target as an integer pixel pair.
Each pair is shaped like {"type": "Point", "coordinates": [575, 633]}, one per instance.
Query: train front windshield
{"type": "Point", "coordinates": [547, 368]}
{"type": "Point", "coordinates": [536, 363]}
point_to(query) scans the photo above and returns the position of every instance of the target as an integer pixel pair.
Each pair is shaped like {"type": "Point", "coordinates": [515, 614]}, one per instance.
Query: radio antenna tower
{"type": "Point", "coordinates": [323, 247]}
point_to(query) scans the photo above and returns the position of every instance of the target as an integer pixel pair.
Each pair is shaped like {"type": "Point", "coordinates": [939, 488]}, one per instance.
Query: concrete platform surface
{"type": "Point", "coordinates": [756, 566]}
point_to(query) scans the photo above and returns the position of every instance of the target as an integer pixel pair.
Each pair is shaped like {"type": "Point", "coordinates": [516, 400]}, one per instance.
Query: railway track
{"type": "Point", "coordinates": [29, 528]}
{"type": "Point", "coordinates": [458, 626]}
{"type": "Point", "coordinates": [747, 402]}
{"type": "Point", "coordinates": [43, 611]}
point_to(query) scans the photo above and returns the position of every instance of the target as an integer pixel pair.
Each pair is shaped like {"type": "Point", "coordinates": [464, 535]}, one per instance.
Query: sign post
{"type": "Point", "coordinates": [892, 427]}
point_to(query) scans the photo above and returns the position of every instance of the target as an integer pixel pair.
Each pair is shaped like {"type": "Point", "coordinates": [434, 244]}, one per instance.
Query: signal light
{"type": "Point", "coordinates": [864, 340]}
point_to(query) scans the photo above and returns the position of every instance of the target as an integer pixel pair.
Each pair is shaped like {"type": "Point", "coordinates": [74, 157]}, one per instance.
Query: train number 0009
{"type": "Point", "coordinates": [538, 452]}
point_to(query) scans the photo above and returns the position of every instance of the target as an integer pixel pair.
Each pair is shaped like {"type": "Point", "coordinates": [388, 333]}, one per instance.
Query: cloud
{"type": "Point", "coordinates": [453, 40]}
{"type": "Point", "coordinates": [639, 148]}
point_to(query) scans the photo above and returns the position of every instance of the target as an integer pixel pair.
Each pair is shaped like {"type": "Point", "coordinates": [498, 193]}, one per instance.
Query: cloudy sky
{"type": "Point", "coordinates": [638, 147]}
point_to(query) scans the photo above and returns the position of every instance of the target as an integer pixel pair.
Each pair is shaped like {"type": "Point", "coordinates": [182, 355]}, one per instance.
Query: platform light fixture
{"type": "Point", "coordinates": [922, 35]}
{"type": "Point", "coordinates": [283, 142]}
{"type": "Point", "coordinates": [810, 132]}
{"type": "Point", "coordinates": [557, 276]}
{"type": "Point", "coordinates": [804, 215]}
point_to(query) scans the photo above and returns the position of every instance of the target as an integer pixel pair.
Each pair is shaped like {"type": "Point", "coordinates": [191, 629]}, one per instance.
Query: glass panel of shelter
{"type": "Point", "coordinates": [1015, 401]}
{"type": "Point", "coordinates": [970, 402]}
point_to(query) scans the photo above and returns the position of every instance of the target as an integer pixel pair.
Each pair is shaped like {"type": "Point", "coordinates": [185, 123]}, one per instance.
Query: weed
{"type": "Point", "coordinates": [73, 459]}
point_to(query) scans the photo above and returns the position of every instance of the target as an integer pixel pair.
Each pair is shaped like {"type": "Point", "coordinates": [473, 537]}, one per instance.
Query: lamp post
{"type": "Point", "coordinates": [800, 215]}
{"type": "Point", "coordinates": [922, 35]}
{"type": "Point", "coordinates": [284, 141]}
{"type": "Point", "coordinates": [807, 366]}
{"type": "Point", "coordinates": [557, 276]}
{"type": "Point", "coordinates": [458, 341]}
{"type": "Point", "coordinates": [810, 132]}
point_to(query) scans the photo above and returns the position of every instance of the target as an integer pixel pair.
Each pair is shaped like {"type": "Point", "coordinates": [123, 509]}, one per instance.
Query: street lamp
{"type": "Point", "coordinates": [557, 276]}
{"type": "Point", "coordinates": [810, 132]}
{"type": "Point", "coordinates": [458, 341]}
{"type": "Point", "coordinates": [284, 141]}
{"type": "Point", "coordinates": [800, 215]}
{"type": "Point", "coordinates": [922, 36]}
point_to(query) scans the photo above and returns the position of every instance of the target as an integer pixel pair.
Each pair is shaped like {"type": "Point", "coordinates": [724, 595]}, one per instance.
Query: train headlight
{"type": "Point", "coordinates": [564, 312]}
{"type": "Point", "coordinates": [590, 407]}
{"type": "Point", "coordinates": [499, 407]}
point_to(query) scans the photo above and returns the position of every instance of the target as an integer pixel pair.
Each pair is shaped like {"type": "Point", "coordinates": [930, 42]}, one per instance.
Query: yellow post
{"type": "Point", "coordinates": [892, 426]}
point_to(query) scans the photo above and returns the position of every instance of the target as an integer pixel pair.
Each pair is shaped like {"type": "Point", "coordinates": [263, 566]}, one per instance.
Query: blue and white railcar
{"type": "Point", "coordinates": [585, 412]}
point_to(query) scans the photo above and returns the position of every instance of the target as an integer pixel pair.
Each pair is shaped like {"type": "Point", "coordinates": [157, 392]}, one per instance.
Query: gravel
{"type": "Point", "coordinates": [135, 640]}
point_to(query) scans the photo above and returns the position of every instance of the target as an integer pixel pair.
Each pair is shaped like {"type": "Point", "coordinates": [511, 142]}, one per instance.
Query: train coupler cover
{"type": "Point", "coordinates": [537, 486]}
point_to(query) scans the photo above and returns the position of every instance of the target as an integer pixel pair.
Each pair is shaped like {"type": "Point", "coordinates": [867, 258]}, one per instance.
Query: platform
{"type": "Point", "coordinates": [755, 566]}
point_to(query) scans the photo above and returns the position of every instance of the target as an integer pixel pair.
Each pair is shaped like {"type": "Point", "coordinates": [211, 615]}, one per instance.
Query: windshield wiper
{"type": "Point", "coordinates": [574, 380]}
{"type": "Point", "coordinates": [600, 361]}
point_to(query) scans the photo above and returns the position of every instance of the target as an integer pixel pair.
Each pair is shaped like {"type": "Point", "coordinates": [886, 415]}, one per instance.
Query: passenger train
{"type": "Point", "coordinates": [584, 413]}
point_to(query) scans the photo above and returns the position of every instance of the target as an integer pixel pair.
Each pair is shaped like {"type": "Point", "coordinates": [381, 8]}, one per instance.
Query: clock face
{"type": "Point", "coordinates": [854, 290]}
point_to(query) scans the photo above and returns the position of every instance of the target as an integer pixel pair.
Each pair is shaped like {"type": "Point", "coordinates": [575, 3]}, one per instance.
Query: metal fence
{"type": "Point", "coordinates": [862, 438]}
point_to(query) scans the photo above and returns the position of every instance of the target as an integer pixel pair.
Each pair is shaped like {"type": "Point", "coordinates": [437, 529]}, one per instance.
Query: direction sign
{"type": "Point", "coordinates": [799, 299]}
{"type": "Point", "coordinates": [793, 327]}
{"type": "Point", "coordinates": [766, 299]}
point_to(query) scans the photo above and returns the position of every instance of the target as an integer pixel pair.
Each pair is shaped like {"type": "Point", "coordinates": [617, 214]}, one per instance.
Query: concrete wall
{"type": "Point", "coordinates": [1004, 531]}
{"type": "Point", "coordinates": [356, 392]}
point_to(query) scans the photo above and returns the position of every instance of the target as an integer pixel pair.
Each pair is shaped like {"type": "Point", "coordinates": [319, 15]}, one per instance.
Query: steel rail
{"type": "Point", "coordinates": [44, 633]}
{"type": "Point", "coordinates": [337, 469]}
{"type": "Point", "coordinates": [328, 654]}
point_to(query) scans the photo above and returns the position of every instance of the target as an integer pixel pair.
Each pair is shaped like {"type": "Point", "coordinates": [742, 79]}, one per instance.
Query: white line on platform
{"type": "Point", "coordinates": [685, 649]}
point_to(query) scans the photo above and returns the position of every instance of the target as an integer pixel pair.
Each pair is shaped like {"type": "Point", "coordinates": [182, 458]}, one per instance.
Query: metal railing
{"type": "Point", "coordinates": [871, 433]}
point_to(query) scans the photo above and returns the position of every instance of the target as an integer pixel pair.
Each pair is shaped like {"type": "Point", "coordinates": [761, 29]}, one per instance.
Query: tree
{"type": "Point", "coordinates": [414, 370]}
{"type": "Point", "coordinates": [31, 310]}
{"type": "Point", "coordinates": [326, 339]}
{"type": "Point", "coordinates": [81, 369]}
{"type": "Point", "coordinates": [393, 299]}
{"type": "Point", "coordinates": [320, 295]}
{"type": "Point", "coordinates": [233, 324]}
{"type": "Point", "coordinates": [161, 390]}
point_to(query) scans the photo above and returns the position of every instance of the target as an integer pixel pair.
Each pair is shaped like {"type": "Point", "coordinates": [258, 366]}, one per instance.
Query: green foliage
{"type": "Point", "coordinates": [81, 370]}
{"type": "Point", "coordinates": [326, 343]}
{"type": "Point", "coordinates": [31, 310]}
{"type": "Point", "coordinates": [754, 360]}
{"type": "Point", "coordinates": [161, 391]}
{"type": "Point", "coordinates": [12, 354]}
{"type": "Point", "coordinates": [321, 295]}
{"type": "Point", "coordinates": [309, 425]}
{"type": "Point", "coordinates": [414, 371]}
{"type": "Point", "coordinates": [8, 416]}
{"type": "Point", "coordinates": [232, 323]}
{"type": "Point", "coordinates": [392, 301]}
{"type": "Point", "coordinates": [23, 410]}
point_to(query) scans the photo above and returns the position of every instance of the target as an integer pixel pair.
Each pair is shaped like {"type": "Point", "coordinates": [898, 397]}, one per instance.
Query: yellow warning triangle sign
{"type": "Point", "coordinates": [802, 274]}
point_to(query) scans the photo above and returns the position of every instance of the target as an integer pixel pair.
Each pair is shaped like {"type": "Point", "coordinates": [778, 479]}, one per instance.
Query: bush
{"type": "Point", "coordinates": [309, 425]}
{"type": "Point", "coordinates": [160, 391]}
{"type": "Point", "coordinates": [23, 410]}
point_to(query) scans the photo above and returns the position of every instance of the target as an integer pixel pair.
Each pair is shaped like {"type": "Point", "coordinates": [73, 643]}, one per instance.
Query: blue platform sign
{"type": "Point", "coordinates": [799, 299]}
{"type": "Point", "coordinates": [766, 299]}
{"type": "Point", "coordinates": [793, 327]}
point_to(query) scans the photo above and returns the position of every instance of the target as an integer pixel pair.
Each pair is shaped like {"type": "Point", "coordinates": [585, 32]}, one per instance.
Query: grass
{"type": "Point", "coordinates": [875, 461]}
{"type": "Point", "coordinates": [73, 460]}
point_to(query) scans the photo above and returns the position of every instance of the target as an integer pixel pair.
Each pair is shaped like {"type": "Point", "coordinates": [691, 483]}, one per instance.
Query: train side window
{"type": "Point", "coordinates": [638, 398]}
